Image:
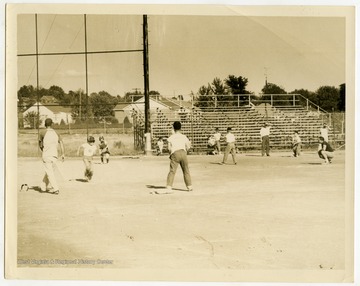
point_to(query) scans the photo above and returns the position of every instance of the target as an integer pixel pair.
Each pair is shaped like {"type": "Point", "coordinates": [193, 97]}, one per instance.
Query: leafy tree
{"type": "Point", "coordinates": [154, 92]}
{"type": "Point", "coordinates": [219, 89]}
{"type": "Point", "coordinates": [205, 97]}
{"type": "Point", "coordinates": [225, 92]}
{"type": "Point", "coordinates": [272, 88]}
{"type": "Point", "coordinates": [26, 97]}
{"type": "Point", "coordinates": [237, 85]}
{"type": "Point", "coordinates": [134, 95]}
{"type": "Point", "coordinates": [310, 95]}
{"type": "Point", "coordinates": [56, 92]}
{"type": "Point", "coordinates": [102, 104]}
{"type": "Point", "coordinates": [32, 119]}
{"type": "Point", "coordinates": [342, 102]}
{"type": "Point", "coordinates": [328, 98]}
{"type": "Point", "coordinates": [77, 101]}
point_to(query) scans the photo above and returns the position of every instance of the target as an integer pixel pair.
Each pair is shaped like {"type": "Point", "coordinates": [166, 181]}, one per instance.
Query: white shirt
{"type": "Point", "coordinates": [265, 131]}
{"type": "Point", "coordinates": [177, 142]}
{"type": "Point", "coordinates": [89, 150]}
{"type": "Point", "coordinates": [230, 138]}
{"type": "Point", "coordinates": [324, 132]}
{"type": "Point", "coordinates": [296, 139]}
{"type": "Point", "coordinates": [50, 142]}
{"type": "Point", "coordinates": [217, 136]}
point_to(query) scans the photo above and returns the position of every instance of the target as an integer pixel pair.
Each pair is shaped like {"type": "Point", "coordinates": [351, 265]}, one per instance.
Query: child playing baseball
{"type": "Point", "coordinates": [89, 150]}
{"type": "Point", "coordinates": [296, 144]}
{"type": "Point", "coordinates": [326, 152]}
{"type": "Point", "coordinates": [217, 137]}
{"type": "Point", "coordinates": [104, 150]}
{"type": "Point", "coordinates": [178, 145]}
{"type": "Point", "coordinates": [159, 146]}
{"type": "Point", "coordinates": [230, 146]}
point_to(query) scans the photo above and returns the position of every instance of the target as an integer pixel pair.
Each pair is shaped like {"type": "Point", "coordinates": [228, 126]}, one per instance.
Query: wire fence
{"type": "Point", "coordinates": [243, 113]}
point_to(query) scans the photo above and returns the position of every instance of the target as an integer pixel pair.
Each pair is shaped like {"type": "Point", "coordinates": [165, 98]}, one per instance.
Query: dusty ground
{"type": "Point", "coordinates": [268, 213]}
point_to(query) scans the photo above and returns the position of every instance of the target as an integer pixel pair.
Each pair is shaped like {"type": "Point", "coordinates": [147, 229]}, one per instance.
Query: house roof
{"type": "Point", "coordinates": [55, 108]}
{"type": "Point", "coordinates": [58, 108]}
{"type": "Point", "coordinates": [121, 106]}
{"type": "Point", "coordinates": [48, 98]}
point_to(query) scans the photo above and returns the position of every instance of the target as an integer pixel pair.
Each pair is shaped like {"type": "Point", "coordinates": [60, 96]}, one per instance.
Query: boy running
{"type": "Point", "coordinates": [89, 150]}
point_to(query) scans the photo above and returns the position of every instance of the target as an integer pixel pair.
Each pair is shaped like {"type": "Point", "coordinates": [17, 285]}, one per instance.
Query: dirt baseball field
{"type": "Point", "coordinates": [269, 213]}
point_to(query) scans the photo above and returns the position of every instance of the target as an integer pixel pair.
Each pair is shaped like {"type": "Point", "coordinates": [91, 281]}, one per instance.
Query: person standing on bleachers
{"type": "Point", "coordinates": [265, 141]}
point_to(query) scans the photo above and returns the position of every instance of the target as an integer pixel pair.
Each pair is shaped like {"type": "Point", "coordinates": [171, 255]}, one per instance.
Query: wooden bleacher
{"type": "Point", "coordinates": [246, 122]}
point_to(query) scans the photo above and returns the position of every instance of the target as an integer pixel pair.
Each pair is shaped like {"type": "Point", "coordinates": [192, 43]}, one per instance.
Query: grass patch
{"type": "Point", "coordinates": [119, 144]}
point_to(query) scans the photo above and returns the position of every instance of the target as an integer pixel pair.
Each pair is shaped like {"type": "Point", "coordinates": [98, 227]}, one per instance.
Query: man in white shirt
{"type": "Point", "coordinates": [48, 143]}
{"type": "Point", "coordinates": [265, 142]}
{"type": "Point", "coordinates": [230, 146]}
{"type": "Point", "coordinates": [178, 145]}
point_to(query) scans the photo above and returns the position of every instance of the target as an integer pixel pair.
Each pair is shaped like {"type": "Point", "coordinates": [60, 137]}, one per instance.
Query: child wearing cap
{"type": "Point", "coordinates": [230, 146]}
{"type": "Point", "coordinates": [89, 150]}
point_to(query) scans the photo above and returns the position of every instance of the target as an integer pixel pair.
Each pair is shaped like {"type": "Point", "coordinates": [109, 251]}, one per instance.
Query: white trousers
{"type": "Point", "coordinates": [49, 179]}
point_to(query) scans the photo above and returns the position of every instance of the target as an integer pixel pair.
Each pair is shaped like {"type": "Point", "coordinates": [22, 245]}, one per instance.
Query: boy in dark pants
{"type": "Point", "coordinates": [178, 145]}
{"type": "Point", "coordinates": [326, 152]}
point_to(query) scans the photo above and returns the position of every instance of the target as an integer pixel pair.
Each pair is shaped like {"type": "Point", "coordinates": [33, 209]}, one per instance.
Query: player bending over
{"type": "Point", "coordinates": [325, 152]}
{"type": "Point", "coordinates": [104, 150]}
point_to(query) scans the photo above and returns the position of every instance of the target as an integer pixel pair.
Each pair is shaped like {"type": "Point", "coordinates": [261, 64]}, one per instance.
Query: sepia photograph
{"type": "Point", "coordinates": [180, 143]}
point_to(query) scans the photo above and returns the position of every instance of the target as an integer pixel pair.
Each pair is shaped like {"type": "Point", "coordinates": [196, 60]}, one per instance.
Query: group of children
{"type": "Point", "coordinates": [178, 147]}
{"type": "Point", "coordinates": [179, 144]}
{"type": "Point", "coordinates": [89, 150]}
{"type": "Point", "coordinates": [325, 151]}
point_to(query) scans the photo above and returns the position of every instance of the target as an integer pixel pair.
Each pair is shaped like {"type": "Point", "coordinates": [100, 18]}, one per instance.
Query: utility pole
{"type": "Point", "coordinates": [266, 75]}
{"type": "Point", "coordinates": [146, 87]}
{"type": "Point", "coordinates": [86, 79]}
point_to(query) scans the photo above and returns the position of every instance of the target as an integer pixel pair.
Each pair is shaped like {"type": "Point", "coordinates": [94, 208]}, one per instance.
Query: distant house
{"type": "Point", "coordinates": [56, 112]}
{"type": "Point", "coordinates": [156, 103]}
{"type": "Point", "coordinates": [48, 99]}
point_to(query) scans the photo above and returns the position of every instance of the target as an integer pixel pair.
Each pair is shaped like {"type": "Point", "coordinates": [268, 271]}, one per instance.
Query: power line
{"type": "Point", "coordinates": [62, 59]}
{"type": "Point", "coordinates": [48, 33]}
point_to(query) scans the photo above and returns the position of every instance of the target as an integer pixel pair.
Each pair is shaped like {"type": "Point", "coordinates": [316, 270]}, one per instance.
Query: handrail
{"type": "Point", "coordinates": [308, 100]}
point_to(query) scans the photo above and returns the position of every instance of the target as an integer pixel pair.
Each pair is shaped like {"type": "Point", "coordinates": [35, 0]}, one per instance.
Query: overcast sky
{"type": "Point", "coordinates": [185, 52]}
